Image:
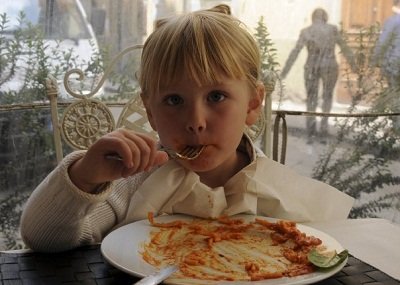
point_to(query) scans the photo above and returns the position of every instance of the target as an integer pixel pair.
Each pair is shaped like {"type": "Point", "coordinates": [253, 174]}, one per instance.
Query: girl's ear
{"type": "Point", "coordinates": [255, 105]}
{"type": "Point", "coordinates": [149, 113]}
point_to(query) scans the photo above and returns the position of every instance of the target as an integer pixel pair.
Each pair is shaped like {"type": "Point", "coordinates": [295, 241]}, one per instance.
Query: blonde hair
{"type": "Point", "coordinates": [203, 45]}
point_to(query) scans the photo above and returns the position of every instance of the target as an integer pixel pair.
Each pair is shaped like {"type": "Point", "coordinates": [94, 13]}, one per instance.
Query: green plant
{"type": "Point", "coordinates": [367, 145]}
{"type": "Point", "coordinates": [26, 144]}
{"type": "Point", "coordinates": [27, 60]}
{"type": "Point", "coordinates": [269, 67]}
{"type": "Point", "coordinates": [269, 63]}
{"type": "Point", "coordinates": [11, 209]}
{"type": "Point", "coordinates": [27, 152]}
{"type": "Point", "coordinates": [122, 79]}
{"type": "Point", "coordinates": [8, 51]}
{"type": "Point", "coordinates": [23, 60]}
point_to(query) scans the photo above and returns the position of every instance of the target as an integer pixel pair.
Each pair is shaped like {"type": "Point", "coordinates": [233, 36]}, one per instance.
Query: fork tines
{"type": "Point", "coordinates": [190, 152]}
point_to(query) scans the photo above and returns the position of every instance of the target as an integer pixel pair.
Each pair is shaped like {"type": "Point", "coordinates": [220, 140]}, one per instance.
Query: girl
{"type": "Point", "coordinates": [200, 83]}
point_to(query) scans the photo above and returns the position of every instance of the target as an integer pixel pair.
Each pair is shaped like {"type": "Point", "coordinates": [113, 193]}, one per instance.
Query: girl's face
{"type": "Point", "coordinates": [215, 116]}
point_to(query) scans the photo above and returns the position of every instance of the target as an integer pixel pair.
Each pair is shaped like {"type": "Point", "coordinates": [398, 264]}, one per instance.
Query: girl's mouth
{"type": "Point", "coordinates": [190, 152]}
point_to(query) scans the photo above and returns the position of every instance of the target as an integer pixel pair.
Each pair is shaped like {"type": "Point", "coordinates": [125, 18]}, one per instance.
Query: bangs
{"type": "Point", "coordinates": [201, 48]}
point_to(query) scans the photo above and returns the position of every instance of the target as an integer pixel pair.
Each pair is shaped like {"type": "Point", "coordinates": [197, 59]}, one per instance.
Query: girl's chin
{"type": "Point", "coordinates": [198, 164]}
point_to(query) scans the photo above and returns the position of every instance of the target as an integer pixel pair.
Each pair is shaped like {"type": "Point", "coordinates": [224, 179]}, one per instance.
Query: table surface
{"type": "Point", "coordinates": [374, 241]}
{"type": "Point", "coordinates": [365, 240]}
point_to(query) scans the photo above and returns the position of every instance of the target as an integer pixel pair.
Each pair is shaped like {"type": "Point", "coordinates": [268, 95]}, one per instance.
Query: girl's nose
{"type": "Point", "coordinates": [196, 121]}
{"type": "Point", "coordinates": [195, 128]}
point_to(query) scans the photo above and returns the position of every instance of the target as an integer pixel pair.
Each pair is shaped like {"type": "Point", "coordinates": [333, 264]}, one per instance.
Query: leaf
{"type": "Point", "coordinates": [326, 259]}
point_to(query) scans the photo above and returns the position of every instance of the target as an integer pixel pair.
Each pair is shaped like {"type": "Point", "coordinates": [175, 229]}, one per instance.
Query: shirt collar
{"type": "Point", "coordinates": [246, 146]}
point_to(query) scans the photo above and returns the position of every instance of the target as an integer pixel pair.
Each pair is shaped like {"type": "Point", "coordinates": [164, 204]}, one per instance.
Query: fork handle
{"type": "Point", "coordinates": [113, 157]}
{"type": "Point", "coordinates": [117, 157]}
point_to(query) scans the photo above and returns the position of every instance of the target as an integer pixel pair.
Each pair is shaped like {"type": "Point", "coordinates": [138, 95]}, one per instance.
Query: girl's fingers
{"type": "Point", "coordinates": [118, 145]}
{"type": "Point", "coordinates": [150, 156]}
{"type": "Point", "coordinates": [138, 151]}
{"type": "Point", "coordinates": [143, 150]}
{"type": "Point", "coordinates": [161, 157]}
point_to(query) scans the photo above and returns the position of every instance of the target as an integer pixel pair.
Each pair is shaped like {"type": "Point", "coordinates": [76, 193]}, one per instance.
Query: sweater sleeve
{"type": "Point", "coordinates": [58, 216]}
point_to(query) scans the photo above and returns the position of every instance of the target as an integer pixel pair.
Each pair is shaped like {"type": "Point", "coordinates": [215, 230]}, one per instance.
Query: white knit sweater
{"type": "Point", "coordinates": [58, 216]}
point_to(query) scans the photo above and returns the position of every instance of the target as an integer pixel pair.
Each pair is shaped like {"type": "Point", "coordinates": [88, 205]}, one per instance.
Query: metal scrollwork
{"type": "Point", "coordinates": [133, 116]}
{"type": "Point", "coordinates": [85, 121]}
{"type": "Point", "coordinates": [81, 75]}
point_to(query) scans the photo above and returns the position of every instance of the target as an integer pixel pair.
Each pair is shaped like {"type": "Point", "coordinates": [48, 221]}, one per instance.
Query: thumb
{"type": "Point", "coordinates": [161, 158]}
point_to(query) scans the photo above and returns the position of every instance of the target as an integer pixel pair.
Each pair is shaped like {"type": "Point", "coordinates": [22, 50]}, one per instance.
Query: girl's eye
{"type": "Point", "coordinates": [216, 96]}
{"type": "Point", "coordinates": [173, 100]}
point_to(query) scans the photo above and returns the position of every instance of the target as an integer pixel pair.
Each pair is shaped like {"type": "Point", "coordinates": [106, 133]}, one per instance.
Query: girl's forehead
{"type": "Point", "coordinates": [186, 83]}
{"type": "Point", "coordinates": [185, 80]}
{"type": "Point", "coordinates": [214, 76]}
{"type": "Point", "coordinates": [182, 84]}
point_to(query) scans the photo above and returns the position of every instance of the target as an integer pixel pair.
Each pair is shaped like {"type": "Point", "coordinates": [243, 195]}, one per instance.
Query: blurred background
{"type": "Point", "coordinates": [342, 117]}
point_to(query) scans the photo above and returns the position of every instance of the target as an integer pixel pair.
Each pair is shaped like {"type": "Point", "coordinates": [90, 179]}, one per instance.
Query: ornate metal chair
{"type": "Point", "coordinates": [86, 119]}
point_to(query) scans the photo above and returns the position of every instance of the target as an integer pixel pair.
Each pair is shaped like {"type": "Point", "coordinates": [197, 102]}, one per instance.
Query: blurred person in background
{"type": "Point", "coordinates": [320, 38]}
{"type": "Point", "coordinates": [387, 50]}
{"type": "Point", "coordinates": [387, 56]}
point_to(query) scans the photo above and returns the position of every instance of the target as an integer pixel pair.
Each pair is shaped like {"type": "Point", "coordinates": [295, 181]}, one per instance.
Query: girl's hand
{"type": "Point", "coordinates": [138, 151]}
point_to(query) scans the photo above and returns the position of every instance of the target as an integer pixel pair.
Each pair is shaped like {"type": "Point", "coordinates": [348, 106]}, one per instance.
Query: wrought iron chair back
{"type": "Point", "coordinates": [86, 119]}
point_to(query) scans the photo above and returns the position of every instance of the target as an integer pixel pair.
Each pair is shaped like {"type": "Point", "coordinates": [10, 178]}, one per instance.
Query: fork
{"type": "Point", "coordinates": [188, 153]}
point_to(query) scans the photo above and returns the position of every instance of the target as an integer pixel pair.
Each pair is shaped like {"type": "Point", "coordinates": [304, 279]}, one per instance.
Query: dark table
{"type": "Point", "coordinates": [86, 265]}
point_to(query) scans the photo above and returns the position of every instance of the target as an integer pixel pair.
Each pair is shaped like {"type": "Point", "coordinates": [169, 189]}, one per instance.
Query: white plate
{"type": "Point", "coordinates": [121, 248]}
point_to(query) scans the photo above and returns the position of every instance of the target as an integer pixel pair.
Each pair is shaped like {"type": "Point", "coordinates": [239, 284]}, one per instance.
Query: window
{"type": "Point", "coordinates": [338, 100]}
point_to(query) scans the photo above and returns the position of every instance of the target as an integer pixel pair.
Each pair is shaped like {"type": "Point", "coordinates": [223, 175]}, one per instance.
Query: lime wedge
{"type": "Point", "coordinates": [326, 259]}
